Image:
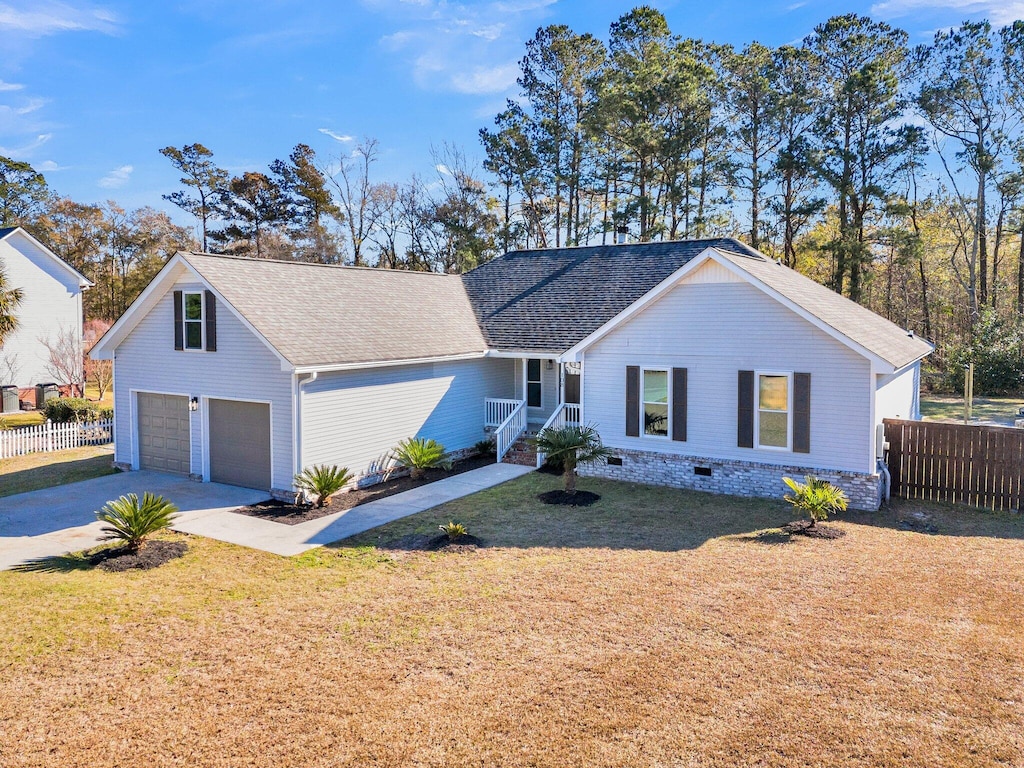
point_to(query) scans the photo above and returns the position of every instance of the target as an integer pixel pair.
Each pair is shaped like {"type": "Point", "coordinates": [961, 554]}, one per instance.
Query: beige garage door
{"type": "Point", "coordinates": [240, 443]}
{"type": "Point", "coordinates": [163, 432]}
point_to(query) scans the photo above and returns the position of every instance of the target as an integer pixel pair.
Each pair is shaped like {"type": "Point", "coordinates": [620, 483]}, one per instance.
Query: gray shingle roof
{"type": "Point", "coordinates": [548, 300]}
{"type": "Point", "coordinates": [327, 315]}
{"type": "Point", "coordinates": [859, 324]}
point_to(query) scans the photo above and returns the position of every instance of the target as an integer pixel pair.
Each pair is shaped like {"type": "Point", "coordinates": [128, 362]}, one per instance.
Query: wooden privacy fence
{"type": "Point", "coordinates": [966, 464]}
{"type": "Point", "coordinates": [54, 437]}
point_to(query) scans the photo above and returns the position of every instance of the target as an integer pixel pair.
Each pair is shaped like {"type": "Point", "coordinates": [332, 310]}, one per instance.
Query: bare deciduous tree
{"type": "Point", "coordinates": [66, 363]}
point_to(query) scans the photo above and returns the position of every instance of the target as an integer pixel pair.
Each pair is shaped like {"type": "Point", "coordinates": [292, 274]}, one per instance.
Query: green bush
{"type": "Point", "coordinates": [132, 521]}
{"type": "Point", "coordinates": [485, 447]}
{"type": "Point", "coordinates": [818, 498]}
{"type": "Point", "coordinates": [322, 482]}
{"type": "Point", "coordinates": [571, 446]}
{"type": "Point", "coordinates": [419, 455]}
{"type": "Point", "coordinates": [997, 351]}
{"type": "Point", "coordinates": [67, 409]}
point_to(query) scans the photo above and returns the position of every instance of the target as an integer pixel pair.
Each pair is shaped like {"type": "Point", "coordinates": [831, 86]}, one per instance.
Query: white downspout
{"type": "Point", "coordinates": [300, 389]}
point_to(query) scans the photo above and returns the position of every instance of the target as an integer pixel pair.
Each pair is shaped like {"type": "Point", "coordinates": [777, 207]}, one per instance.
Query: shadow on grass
{"type": "Point", "coordinates": [57, 473]}
{"type": "Point", "coordinates": [76, 561]}
{"type": "Point", "coordinates": [632, 516]}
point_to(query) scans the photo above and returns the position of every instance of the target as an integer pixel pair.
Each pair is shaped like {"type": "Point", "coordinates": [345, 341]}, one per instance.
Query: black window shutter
{"type": "Point", "coordinates": [211, 321]}
{"type": "Point", "coordinates": [179, 322]}
{"type": "Point", "coordinates": [633, 401]}
{"type": "Point", "coordinates": [745, 410]}
{"type": "Point", "coordinates": [679, 404]}
{"type": "Point", "coordinates": [801, 413]}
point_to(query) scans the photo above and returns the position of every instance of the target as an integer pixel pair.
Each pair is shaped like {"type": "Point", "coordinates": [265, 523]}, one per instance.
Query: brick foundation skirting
{"type": "Point", "coordinates": [737, 478]}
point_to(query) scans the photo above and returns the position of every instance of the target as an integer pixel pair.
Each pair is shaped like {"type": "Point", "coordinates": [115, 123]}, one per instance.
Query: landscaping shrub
{"type": "Point", "coordinates": [131, 521]}
{"type": "Point", "coordinates": [454, 531]}
{"type": "Point", "coordinates": [68, 409]}
{"type": "Point", "coordinates": [419, 455]}
{"type": "Point", "coordinates": [485, 447]}
{"type": "Point", "coordinates": [818, 498]}
{"type": "Point", "coordinates": [571, 446]}
{"type": "Point", "coordinates": [322, 482]}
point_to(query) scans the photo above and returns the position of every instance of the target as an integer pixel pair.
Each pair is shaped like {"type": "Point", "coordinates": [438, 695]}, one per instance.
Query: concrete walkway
{"type": "Point", "coordinates": [290, 540]}
{"type": "Point", "coordinates": [55, 521]}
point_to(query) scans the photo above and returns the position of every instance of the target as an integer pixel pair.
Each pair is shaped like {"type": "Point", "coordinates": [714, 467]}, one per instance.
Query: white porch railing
{"type": "Point", "coordinates": [565, 415]}
{"type": "Point", "coordinates": [497, 410]}
{"type": "Point", "coordinates": [50, 437]}
{"type": "Point", "coordinates": [510, 429]}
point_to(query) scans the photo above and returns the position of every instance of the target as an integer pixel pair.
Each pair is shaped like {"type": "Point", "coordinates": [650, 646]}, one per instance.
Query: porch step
{"type": "Point", "coordinates": [521, 453]}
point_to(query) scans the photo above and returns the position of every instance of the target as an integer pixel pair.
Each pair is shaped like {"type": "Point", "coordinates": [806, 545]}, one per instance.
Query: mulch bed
{"type": "Point", "coordinates": [578, 499]}
{"type": "Point", "coordinates": [153, 554]}
{"type": "Point", "coordinates": [819, 531]}
{"type": "Point", "coordinates": [290, 514]}
{"type": "Point", "coordinates": [423, 542]}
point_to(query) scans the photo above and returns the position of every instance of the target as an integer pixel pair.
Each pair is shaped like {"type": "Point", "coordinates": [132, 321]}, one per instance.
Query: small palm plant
{"type": "Point", "coordinates": [818, 498]}
{"type": "Point", "coordinates": [454, 531]}
{"type": "Point", "coordinates": [131, 521]}
{"type": "Point", "coordinates": [322, 482]}
{"type": "Point", "coordinates": [572, 445]}
{"type": "Point", "coordinates": [420, 454]}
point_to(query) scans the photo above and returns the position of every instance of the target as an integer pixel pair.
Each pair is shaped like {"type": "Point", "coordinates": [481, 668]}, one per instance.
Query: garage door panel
{"type": "Point", "coordinates": [164, 440]}
{"type": "Point", "coordinates": [240, 443]}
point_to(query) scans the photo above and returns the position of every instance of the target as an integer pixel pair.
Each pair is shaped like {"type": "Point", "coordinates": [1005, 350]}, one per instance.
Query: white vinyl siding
{"type": "Point", "coordinates": [243, 369]}
{"type": "Point", "coordinates": [715, 330]}
{"type": "Point", "coordinates": [51, 303]}
{"type": "Point", "coordinates": [899, 395]}
{"type": "Point", "coordinates": [355, 418]}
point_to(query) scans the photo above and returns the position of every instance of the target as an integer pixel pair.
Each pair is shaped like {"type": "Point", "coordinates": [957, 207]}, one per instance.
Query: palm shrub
{"type": "Point", "coordinates": [420, 454]}
{"type": "Point", "coordinates": [131, 521]}
{"type": "Point", "coordinates": [454, 531]}
{"type": "Point", "coordinates": [572, 445]}
{"type": "Point", "coordinates": [322, 482]}
{"type": "Point", "coordinates": [817, 497]}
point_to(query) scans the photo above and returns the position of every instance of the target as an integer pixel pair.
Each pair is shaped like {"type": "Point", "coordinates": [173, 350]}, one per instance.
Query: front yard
{"type": "Point", "coordinates": [994, 410]}
{"type": "Point", "coordinates": [657, 627]}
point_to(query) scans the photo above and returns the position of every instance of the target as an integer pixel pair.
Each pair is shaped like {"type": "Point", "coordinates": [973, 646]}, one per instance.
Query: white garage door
{"type": "Point", "coordinates": [163, 432]}
{"type": "Point", "coordinates": [240, 443]}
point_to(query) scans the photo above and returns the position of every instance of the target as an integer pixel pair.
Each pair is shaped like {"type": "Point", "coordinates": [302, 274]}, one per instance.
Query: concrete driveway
{"type": "Point", "coordinates": [55, 521]}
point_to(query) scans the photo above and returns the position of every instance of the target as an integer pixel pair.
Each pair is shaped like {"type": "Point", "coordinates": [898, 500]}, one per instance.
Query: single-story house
{"type": "Point", "coordinates": [51, 305]}
{"type": "Point", "coordinates": [702, 363]}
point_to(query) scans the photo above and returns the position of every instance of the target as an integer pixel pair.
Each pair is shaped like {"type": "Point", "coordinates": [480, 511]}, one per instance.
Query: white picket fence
{"type": "Point", "coordinates": [54, 437]}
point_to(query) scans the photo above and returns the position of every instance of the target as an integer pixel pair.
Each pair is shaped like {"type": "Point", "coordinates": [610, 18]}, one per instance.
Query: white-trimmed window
{"type": "Point", "coordinates": [193, 317]}
{"type": "Point", "coordinates": [774, 412]}
{"type": "Point", "coordinates": [534, 388]}
{"type": "Point", "coordinates": [654, 405]}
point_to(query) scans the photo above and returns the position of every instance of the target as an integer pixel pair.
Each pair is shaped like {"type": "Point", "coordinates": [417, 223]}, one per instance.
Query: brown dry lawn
{"type": "Point", "coordinates": [657, 628]}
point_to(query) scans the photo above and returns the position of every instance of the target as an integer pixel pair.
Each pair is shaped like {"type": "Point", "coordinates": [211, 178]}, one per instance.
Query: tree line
{"type": "Point", "coordinates": [893, 174]}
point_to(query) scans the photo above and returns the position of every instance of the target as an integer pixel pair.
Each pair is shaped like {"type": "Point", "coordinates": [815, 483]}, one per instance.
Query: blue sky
{"type": "Point", "coordinates": [89, 91]}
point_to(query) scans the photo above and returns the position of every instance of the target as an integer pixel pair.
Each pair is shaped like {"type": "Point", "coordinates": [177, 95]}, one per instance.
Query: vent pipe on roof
{"type": "Point", "coordinates": [621, 234]}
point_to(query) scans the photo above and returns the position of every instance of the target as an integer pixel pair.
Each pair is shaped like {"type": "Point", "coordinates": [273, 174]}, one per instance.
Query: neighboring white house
{"type": "Point", "coordinates": [51, 305]}
{"type": "Point", "coordinates": [702, 363]}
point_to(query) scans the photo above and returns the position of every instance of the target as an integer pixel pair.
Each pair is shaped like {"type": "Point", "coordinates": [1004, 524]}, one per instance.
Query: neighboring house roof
{"type": "Point", "coordinates": [83, 281]}
{"type": "Point", "coordinates": [550, 299]}
{"type": "Point", "coordinates": [315, 314]}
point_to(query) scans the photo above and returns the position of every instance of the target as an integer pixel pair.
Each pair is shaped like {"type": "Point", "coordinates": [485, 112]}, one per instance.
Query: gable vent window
{"type": "Point", "coordinates": [195, 320]}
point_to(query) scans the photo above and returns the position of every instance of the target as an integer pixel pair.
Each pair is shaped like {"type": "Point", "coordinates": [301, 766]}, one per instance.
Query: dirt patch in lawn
{"type": "Point", "coordinates": [423, 542]}
{"type": "Point", "coordinates": [152, 555]}
{"type": "Point", "coordinates": [291, 514]}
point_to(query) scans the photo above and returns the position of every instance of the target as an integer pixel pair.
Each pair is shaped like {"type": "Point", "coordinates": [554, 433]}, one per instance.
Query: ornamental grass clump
{"type": "Point", "coordinates": [321, 482]}
{"type": "Point", "coordinates": [420, 454]}
{"type": "Point", "coordinates": [132, 521]}
{"type": "Point", "coordinates": [817, 498]}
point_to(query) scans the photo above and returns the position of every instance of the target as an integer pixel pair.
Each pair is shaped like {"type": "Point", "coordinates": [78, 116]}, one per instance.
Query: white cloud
{"type": "Point", "coordinates": [462, 47]}
{"type": "Point", "coordinates": [10, 86]}
{"type": "Point", "coordinates": [442, 168]}
{"type": "Point", "coordinates": [50, 165]}
{"type": "Point", "coordinates": [117, 178]}
{"type": "Point", "coordinates": [999, 12]}
{"type": "Point", "coordinates": [344, 138]}
{"type": "Point", "coordinates": [489, 80]}
{"type": "Point", "coordinates": [25, 149]}
{"type": "Point", "coordinates": [37, 18]}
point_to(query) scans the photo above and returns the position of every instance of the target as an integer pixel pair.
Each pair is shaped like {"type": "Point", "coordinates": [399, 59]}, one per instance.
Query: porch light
{"type": "Point", "coordinates": [193, 403]}
{"type": "Point", "coordinates": [551, 364]}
